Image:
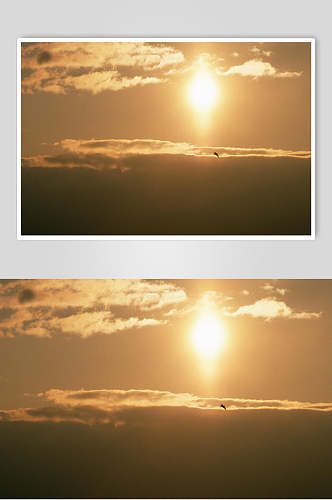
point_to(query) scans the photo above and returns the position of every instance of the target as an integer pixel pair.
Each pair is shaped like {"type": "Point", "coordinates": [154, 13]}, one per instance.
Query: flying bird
{"type": "Point", "coordinates": [216, 154]}
{"type": "Point", "coordinates": [223, 406]}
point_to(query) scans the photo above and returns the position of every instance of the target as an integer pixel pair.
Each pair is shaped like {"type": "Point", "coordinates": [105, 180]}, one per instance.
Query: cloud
{"type": "Point", "coordinates": [43, 308]}
{"type": "Point", "coordinates": [101, 154]}
{"type": "Point", "coordinates": [111, 405]}
{"type": "Point", "coordinates": [205, 60]}
{"type": "Point", "coordinates": [212, 299]}
{"type": "Point", "coordinates": [271, 288]}
{"type": "Point", "coordinates": [83, 307]}
{"type": "Point", "coordinates": [108, 399]}
{"type": "Point", "coordinates": [268, 287]}
{"type": "Point", "coordinates": [6, 312]}
{"type": "Point", "coordinates": [26, 295]}
{"type": "Point", "coordinates": [94, 67]}
{"type": "Point", "coordinates": [107, 80]}
{"type": "Point", "coordinates": [44, 57]}
{"type": "Point", "coordinates": [257, 51]}
{"type": "Point", "coordinates": [89, 323]}
{"type": "Point", "coordinates": [256, 68]}
{"type": "Point", "coordinates": [179, 312]}
{"type": "Point", "coordinates": [271, 308]}
{"type": "Point", "coordinates": [143, 294]}
{"type": "Point", "coordinates": [208, 301]}
{"type": "Point", "coordinates": [64, 67]}
{"type": "Point", "coordinates": [125, 147]}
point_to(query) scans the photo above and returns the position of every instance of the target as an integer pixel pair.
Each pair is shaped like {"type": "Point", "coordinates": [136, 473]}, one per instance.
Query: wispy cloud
{"type": "Point", "coordinates": [212, 299]}
{"type": "Point", "coordinates": [125, 147]}
{"type": "Point", "coordinates": [61, 68]}
{"type": "Point", "coordinates": [268, 287]}
{"type": "Point", "coordinates": [260, 52]}
{"type": "Point", "coordinates": [256, 68]}
{"type": "Point", "coordinates": [101, 406]}
{"type": "Point", "coordinates": [94, 67]}
{"type": "Point", "coordinates": [271, 308]}
{"type": "Point", "coordinates": [83, 307]}
{"type": "Point", "coordinates": [116, 398]}
{"type": "Point", "coordinates": [106, 80]}
{"type": "Point", "coordinates": [208, 301]}
{"type": "Point", "coordinates": [107, 153]}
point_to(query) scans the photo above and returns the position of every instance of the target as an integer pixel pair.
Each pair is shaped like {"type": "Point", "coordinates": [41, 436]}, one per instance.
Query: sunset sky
{"type": "Point", "coordinates": [130, 128]}
{"type": "Point", "coordinates": [107, 379]}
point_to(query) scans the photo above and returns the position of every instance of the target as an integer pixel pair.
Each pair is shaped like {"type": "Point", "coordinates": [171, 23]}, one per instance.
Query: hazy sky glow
{"type": "Point", "coordinates": [133, 127]}
{"type": "Point", "coordinates": [129, 359]}
{"type": "Point", "coordinates": [123, 90]}
{"type": "Point", "coordinates": [168, 324]}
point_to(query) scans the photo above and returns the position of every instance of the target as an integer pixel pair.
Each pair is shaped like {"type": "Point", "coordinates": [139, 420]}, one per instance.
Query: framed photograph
{"type": "Point", "coordinates": [173, 138]}
{"type": "Point", "coordinates": [165, 388]}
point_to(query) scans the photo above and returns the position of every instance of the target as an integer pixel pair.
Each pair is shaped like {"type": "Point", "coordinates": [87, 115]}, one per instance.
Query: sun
{"type": "Point", "coordinates": [208, 335]}
{"type": "Point", "coordinates": [202, 92]}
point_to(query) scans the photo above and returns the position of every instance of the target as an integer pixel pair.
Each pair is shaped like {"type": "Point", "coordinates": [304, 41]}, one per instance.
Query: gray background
{"type": "Point", "coordinates": [157, 259]}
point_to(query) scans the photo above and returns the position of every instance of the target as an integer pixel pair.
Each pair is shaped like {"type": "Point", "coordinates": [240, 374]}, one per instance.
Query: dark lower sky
{"type": "Point", "coordinates": [171, 195]}
{"type": "Point", "coordinates": [171, 453]}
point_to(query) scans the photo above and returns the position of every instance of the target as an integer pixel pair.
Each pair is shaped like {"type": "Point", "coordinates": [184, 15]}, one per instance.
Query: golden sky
{"type": "Point", "coordinates": [124, 91]}
{"type": "Point", "coordinates": [170, 341]}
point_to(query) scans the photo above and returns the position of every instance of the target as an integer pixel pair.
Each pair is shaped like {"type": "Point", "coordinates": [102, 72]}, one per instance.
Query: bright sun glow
{"type": "Point", "coordinates": [208, 335]}
{"type": "Point", "coordinates": [202, 92]}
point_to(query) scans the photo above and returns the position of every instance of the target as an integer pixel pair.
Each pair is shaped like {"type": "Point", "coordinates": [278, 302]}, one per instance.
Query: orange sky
{"type": "Point", "coordinates": [134, 334]}
{"type": "Point", "coordinates": [140, 91]}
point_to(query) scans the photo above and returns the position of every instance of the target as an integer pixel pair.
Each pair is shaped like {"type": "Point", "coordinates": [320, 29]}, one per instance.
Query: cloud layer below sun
{"type": "Point", "coordinates": [100, 154]}
{"type": "Point", "coordinates": [113, 405]}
